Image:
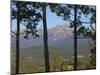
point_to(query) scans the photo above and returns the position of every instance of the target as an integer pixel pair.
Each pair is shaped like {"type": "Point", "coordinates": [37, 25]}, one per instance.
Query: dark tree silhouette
{"type": "Point", "coordinates": [89, 32]}
{"type": "Point", "coordinates": [75, 37]}
{"type": "Point", "coordinates": [45, 36]}
{"type": "Point", "coordinates": [17, 38]}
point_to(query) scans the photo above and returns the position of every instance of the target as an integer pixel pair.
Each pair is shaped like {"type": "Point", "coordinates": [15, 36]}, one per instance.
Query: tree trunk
{"type": "Point", "coordinates": [75, 37]}
{"type": "Point", "coordinates": [17, 39]}
{"type": "Point", "coordinates": [45, 36]}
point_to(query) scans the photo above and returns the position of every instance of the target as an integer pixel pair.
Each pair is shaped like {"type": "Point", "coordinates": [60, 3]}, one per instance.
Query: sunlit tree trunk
{"type": "Point", "coordinates": [17, 39]}
{"type": "Point", "coordinates": [45, 36]}
{"type": "Point", "coordinates": [75, 37]}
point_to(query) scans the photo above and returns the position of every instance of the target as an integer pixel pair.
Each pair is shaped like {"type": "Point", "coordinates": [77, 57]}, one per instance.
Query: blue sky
{"type": "Point", "coordinates": [52, 20]}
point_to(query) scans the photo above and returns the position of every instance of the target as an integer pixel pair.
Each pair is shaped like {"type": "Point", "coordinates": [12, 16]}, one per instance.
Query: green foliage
{"type": "Point", "coordinates": [93, 56]}
{"type": "Point", "coordinates": [30, 15]}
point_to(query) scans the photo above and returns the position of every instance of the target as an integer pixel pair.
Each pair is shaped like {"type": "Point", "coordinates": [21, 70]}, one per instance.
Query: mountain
{"type": "Point", "coordinates": [59, 32]}
{"type": "Point", "coordinates": [60, 38]}
{"type": "Point", "coordinates": [55, 34]}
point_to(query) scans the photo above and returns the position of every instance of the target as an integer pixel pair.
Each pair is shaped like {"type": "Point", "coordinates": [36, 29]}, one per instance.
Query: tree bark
{"type": "Point", "coordinates": [17, 39]}
{"type": "Point", "coordinates": [75, 37]}
{"type": "Point", "coordinates": [45, 36]}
